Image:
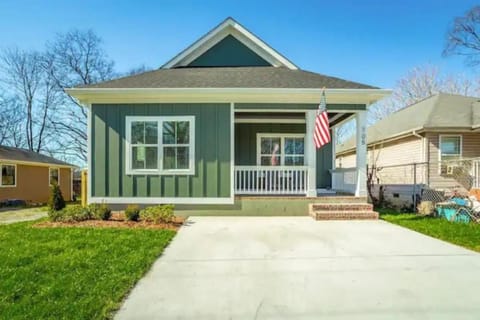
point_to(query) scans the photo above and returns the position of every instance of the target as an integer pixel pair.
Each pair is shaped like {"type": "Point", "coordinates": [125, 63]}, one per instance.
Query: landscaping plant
{"type": "Point", "coordinates": [132, 212]}
{"type": "Point", "coordinates": [56, 201]}
{"type": "Point", "coordinates": [73, 213]}
{"type": "Point", "coordinates": [157, 214]}
{"type": "Point", "coordinates": [100, 211]}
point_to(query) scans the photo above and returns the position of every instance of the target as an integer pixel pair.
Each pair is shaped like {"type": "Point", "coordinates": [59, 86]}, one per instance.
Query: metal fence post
{"type": "Point", "coordinates": [415, 187]}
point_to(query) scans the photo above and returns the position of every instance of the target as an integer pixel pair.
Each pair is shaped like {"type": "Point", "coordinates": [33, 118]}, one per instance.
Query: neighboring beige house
{"type": "Point", "coordinates": [440, 135]}
{"type": "Point", "coordinates": [27, 175]}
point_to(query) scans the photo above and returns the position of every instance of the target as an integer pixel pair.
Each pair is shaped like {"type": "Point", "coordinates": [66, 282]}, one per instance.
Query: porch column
{"type": "Point", "coordinates": [334, 156]}
{"type": "Point", "coordinates": [361, 154]}
{"type": "Point", "coordinates": [311, 153]}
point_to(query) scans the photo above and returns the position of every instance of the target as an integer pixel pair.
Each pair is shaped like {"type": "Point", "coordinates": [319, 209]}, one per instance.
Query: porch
{"type": "Point", "coordinates": [275, 154]}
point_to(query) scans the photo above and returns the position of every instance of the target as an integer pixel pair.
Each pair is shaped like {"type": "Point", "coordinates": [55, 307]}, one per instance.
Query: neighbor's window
{"type": "Point", "coordinates": [280, 149]}
{"type": "Point", "coordinates": [8, 175]}
{"type": "Point", "coordinates": [160, 145]}
{"type": "Point", "coordinates": [54, 176]}
{"type": "Point", "coordinates": [450, 147]}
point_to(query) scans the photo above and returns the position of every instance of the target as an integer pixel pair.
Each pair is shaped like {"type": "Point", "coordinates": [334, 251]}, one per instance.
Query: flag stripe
{"type": "Point", "coordinates": [321, 134]}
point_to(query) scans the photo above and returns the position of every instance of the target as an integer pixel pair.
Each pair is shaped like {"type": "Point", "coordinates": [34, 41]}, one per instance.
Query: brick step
{"type": "Point", "coordinates": [340, 199]}
{"type": "Point", "coordinates": [345, 215]}
{"type": "Point", "coordinates": [341, 207]}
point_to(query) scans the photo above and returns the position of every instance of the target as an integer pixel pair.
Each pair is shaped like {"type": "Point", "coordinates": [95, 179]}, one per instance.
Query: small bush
{"type": "Point", "coordinates": [157, 214]}
{"type": "Point", "coordinates": [70, 214]}
{"type": "Point", "coordinates": [100, 211]}
{"type": "Point", "coordinates": [56, 201]}
{"type": "Point", "coordinates": [132, 213]}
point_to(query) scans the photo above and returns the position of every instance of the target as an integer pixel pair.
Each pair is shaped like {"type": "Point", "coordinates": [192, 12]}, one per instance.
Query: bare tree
{"type": "Point", "coordinates": [137, 70]}
{"type": "Point", "coordinates": [419, 83]}
{"type": "Point", "coordinates": [463, 37]}
{"type": "Point", "coordinates": [32, 89]}
{"type": "Point", "coordinates": [73, 59]}
{"type": "Point", "coordinates": [11, 120]}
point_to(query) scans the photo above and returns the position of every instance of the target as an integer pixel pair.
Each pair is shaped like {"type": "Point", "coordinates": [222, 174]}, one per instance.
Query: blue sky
{"type": "Point", "coordinates": [373, 42]}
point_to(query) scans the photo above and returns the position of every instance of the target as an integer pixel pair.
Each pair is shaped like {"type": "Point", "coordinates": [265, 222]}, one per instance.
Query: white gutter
{"type": "Point", "coordinates": [415, 134]}
{"type": "Point", "coordinates": [240, 95]}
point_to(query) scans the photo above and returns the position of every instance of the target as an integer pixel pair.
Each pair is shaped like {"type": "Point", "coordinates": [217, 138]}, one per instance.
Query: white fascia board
{"type": "Point", "coordinates": [229, 26]}
{"type": "Point", "coordinates": [226, 95]}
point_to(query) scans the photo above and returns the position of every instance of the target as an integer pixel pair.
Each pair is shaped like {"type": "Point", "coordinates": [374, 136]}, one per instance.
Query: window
{"type": "Point", "coordinates": [54, 176]}
{"type": "Point", "coordinates": [160, 145]}
{"type": "Point", "coordinates": [9, 175]}
{"type": "Point", "coordinates": [280, 149]}
{"type": "Point", "coordinates": [450, 147]}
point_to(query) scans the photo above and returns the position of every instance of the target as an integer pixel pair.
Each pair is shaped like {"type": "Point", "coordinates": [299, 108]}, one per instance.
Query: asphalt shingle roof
{"type": "Point", "coordinates": [18, 154]}
{"type": "Point", "coordinates": [230, 77]}
{"type": "Point", "coordinates": [440, 111]}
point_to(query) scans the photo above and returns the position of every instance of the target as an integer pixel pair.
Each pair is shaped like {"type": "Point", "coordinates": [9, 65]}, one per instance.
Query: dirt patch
{"type": "Point", "coordinates": [116, 221]}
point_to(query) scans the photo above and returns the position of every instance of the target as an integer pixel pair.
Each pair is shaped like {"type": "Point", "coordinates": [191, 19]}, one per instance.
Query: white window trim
{"type": "Point", "coordinates": [441, 136]}
{"type": "Point", "coordinates": [1, 167]}
{"type": "Point", "coordinates": [159, 170]}
{"type": "Point", "coordinates": [282, 137]}
{"type": "Point", "coordinates": [50, 175]}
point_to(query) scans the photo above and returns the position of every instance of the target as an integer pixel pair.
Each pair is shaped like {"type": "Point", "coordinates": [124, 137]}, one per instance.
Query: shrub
{"type": "Point", "coordinates": [100, 211]}
{"type": "Point", "coordinates": [157, 214]}
{"type": "Point", "coordinates": [56, 201]}
{"type": "Point", "coordinates": [70, 214]}
{"type": "Point", "coordinates": [132, 212]}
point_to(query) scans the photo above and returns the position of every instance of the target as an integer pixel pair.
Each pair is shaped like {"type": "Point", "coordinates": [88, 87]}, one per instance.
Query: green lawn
{"type": "Point", "coordinates": [465, 235]}
{"type": "Point", "coordinates": [72, 273]}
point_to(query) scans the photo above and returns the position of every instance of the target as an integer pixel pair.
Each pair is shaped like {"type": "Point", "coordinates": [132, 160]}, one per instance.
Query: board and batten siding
{"type": "Point", "coordinates": [470, 149]}
{"type": "Point", "coordinates": [212, 178]}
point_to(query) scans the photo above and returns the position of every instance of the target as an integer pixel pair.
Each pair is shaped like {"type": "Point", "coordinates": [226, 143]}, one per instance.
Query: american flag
{"type": "Point", "coordinates": [321, 135]}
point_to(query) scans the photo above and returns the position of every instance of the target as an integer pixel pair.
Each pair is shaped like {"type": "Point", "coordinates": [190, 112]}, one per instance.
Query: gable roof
{"type": "Point", "coordinates": [437, 112]}
{"type": "Point", "coordinates": [23, 155]}
{"type": "Point", "coordinates": [230, 77]}
{"type": "Point", "coordinates": [229, 27]}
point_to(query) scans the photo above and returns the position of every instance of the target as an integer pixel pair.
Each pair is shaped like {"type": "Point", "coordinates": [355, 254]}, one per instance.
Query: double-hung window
{"type": "Point", "coordinates": [160, 145]}
{"type": "Point", "coordinates": [280, 149]}
{"type": "Point", "coordinates": [54, 176]}
{"type": "Point", "coordinates": [9, 175]}
{"type": "Point", "coordinates": [450, 150]}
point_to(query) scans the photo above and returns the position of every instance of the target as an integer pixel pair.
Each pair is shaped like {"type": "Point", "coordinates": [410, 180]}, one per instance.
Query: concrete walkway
{"type": "Point", "coordinates": [18, 215]}
{"type": "Point", "coordinates": [297, 268]}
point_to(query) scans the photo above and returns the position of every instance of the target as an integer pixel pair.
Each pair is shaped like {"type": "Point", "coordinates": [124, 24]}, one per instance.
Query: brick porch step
{"type": "Point", "coordinates": [342, 211]}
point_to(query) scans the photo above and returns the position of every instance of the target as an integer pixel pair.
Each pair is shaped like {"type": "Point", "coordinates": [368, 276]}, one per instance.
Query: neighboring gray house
{"type": "Point", "coordinates": [441, 134]}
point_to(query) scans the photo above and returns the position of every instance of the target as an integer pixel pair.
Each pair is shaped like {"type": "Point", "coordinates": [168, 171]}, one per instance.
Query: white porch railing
{"type": "Point", "coordinates": [262, 180]}
{"type": "Point", "coordinates": [344, 179]}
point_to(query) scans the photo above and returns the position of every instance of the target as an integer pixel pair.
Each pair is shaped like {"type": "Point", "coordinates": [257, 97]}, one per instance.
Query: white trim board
{"type": "Point", "coordinates": [229, 27]}
{"type": "Point", "coordinates": [160, 200]}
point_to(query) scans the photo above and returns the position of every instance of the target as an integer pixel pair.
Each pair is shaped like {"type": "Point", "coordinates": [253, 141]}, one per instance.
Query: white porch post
{"type": "Point", "coordinates": [311, 153]}
{"type": "Point", "coordinates": [334, 156]}
{"type": "Point", "coordinates": [361, 154]}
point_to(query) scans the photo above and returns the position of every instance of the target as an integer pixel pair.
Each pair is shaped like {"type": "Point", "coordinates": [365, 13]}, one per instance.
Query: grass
{"type": "Point", "coordinates": [72, 273]}
{"type": "Point", "coordinates": [465, 235]}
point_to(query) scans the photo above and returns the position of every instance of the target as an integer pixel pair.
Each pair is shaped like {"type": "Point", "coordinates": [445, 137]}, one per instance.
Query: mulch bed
{"type": "Point", "coordinates": [116, 221]}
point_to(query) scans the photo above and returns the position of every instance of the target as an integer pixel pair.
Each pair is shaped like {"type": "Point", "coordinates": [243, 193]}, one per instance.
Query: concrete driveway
{"type": "Point", "coordinates": [297, 268]}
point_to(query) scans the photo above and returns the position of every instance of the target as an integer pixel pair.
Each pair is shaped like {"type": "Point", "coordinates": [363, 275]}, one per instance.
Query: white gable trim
{"type": "Point", "coordinates": [229, 27]}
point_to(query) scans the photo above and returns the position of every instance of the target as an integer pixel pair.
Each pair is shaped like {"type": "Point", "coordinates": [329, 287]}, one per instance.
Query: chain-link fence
{"type": "Point", "coordinates": [399, 185]}
{"type": "Point", "coordinates": [406, 185]}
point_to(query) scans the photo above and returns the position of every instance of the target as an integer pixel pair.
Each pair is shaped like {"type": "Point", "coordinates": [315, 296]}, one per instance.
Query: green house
{"type": "Point", "coordinates": [228, 116]}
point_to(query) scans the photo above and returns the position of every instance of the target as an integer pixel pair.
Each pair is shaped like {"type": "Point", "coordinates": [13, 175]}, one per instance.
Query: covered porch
{"type": "Point", "coordinates": [274, 153]}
